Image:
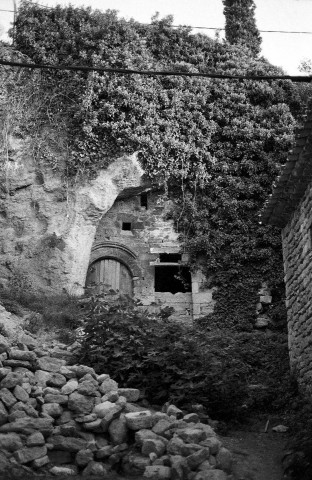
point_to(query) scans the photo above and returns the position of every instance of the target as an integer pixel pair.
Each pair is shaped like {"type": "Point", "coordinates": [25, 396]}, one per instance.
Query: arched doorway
{"type": "Point", "coordinates": [106, 274]}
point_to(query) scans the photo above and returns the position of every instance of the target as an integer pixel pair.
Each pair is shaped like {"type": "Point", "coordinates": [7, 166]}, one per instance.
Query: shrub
{"type": "Point", "coordinates": [169, 361]}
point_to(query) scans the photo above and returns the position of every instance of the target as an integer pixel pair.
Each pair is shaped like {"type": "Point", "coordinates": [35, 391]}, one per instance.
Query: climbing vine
{"type": "Point", "coordinates": [219, 142]}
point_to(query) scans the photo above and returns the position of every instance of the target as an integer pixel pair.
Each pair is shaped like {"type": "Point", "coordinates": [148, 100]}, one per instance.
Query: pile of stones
{"type": "Point", "coordinates": [60, 419]}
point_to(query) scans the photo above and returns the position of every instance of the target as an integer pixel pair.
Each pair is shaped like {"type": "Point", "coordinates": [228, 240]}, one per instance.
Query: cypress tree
{"type": "Point", "coordinates": [240, 25]}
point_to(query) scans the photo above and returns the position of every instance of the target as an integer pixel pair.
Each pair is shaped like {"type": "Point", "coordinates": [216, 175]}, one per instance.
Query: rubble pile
{"type": "Point", "coordinates": [66, 420]}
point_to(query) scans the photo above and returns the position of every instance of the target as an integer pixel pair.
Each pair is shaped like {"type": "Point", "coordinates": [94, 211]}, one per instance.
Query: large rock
{"type": "Point", "coordinates": [131, 394]}
{"type": "Point", "coordinates": [50, 364]}
{"type": "Point", "coordinates": [87, 388]}
{"type": "Point", "coordinates": [10, 441]}
{"type": "Point", "coordinates": [36, 439]}
{"type": "Point", "coordinates": [69, 387]}
{"type": "Point", "coordinates": [118, 431]}
{"type": "Point", "coordinates": [26, 407]}
{"type": "Point", "coordinates": [64, 471]}
{"type": "Point", "coordinates": [40, 462]}
{"type": "Point", "coordinates": [139, 420]}
{"type": "Point", "coordinates": [4, 372]}
{"type": "Point", "coordinates": [20, 394]}
{"type": "Point", "coordinates": [7, 397]}
{"type": "Point", "coordinates": [69, 444]}
{"type": "Point", "coordinates": [11, 380]}
{"type": "Point", "coordinates": [18, 363]}
{"type": "Point", "coordinates": [56, 380]}
{"type": "Point", "coordinates": [162, 426]}
{"type": "Point", "coordinates": [108, 385]}
{"type": "Point", "coordinates": [175, 446]}
{"type": "Point", "coordinates": [28, 425]}
{"type": "Point", "coordinates": [17, 354]}
{"type": "Point", "coordinates": [26, 455]}
{"type": "Point", "coordinates": [80, 403]}
{"type": "Point", "coordinates": [83, 457]}
{"type": "Point", "coordinates": [52, 409]}
{"type": "Point", "coordinates": [42, 377]}
{"type": "Point", "coordinates": [107, 409]}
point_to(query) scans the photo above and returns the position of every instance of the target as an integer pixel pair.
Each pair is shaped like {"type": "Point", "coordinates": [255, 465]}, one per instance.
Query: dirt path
{"type": "Point", "coordinates": [257, 455]}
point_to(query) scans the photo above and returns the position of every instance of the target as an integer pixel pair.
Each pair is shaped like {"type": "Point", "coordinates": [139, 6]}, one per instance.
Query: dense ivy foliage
{"type": "Point", "coordinates": [240, 24]}
{"type": "Point", "coordinates": [216, 144]}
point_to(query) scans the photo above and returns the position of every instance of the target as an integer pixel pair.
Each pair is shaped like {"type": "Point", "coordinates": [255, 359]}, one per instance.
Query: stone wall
{"type": "Point", "coordinates": [297, 251]}
{"type": "Point", "coordinates": [47, 228]}
{"type": "Point", "coordinates": [151, 235]}
{"type": "Point", "coordinates": [61, 419]}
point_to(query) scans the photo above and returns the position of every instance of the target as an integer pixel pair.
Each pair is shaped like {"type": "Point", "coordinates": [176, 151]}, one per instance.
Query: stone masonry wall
{"type": "Point", "coordinates": [151, 234]}
{"type": "Point", "coordinates": [297, 251]}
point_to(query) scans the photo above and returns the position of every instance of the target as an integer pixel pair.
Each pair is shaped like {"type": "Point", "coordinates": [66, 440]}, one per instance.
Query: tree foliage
{"type": "Point", "coordinates": [240, 24]}
{"type": "Point", "coordinates": [216, 144]}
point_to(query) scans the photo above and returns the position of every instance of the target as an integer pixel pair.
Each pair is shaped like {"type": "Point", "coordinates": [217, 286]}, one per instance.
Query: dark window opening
{"type": "Point", "coordinates": [172, 279]}
{"type": "Point", "coordinates": [144, 200]}
{"type": "Point", "coordinates": [126, 226]}
{"type": "Point", "coordinates": [170, 257]}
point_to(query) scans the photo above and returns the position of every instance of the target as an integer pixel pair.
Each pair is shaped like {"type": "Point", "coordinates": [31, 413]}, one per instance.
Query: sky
{"type": "Point", "coordinates": [281, 49]}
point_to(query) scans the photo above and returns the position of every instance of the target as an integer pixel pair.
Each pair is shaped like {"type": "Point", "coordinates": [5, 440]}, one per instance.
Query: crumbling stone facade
{"type": "Point", "coordinates": [136, 234]}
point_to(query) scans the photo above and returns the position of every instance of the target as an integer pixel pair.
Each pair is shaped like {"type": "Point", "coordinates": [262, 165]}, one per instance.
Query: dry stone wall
{"type": "Point", "coordinates": [47, 228]}
{"type": "Point", "coordinates": [65, 419]}
{"type": "Point", "coordinates": [297, 251]}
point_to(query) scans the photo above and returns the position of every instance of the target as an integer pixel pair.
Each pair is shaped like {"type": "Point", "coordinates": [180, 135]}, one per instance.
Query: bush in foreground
{"type": "Point", "coordinates": [228, 372]}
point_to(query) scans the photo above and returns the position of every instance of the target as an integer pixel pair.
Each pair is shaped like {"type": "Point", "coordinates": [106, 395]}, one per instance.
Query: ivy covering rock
{"type": "Point", "coordinates": [217, 145]}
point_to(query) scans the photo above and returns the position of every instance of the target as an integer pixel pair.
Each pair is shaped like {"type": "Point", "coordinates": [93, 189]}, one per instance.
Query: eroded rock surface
{"type": "Point", "coordinates": [48, 227]}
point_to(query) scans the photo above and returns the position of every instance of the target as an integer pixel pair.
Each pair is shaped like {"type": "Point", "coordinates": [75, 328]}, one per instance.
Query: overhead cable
{"type": "Point", "coordinates": [129, 71]}
{"type": "Point", "coordinates": [261, 31]}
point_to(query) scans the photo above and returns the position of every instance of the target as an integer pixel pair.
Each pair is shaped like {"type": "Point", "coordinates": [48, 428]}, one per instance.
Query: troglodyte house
{"type": "Point", "coordinates": [136, 252]}
{"type": "Point", "coordinates": [105, 233]}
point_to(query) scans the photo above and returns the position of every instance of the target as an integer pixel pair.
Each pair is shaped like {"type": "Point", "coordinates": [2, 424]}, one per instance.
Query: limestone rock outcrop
{"type": "Point", "coordinates": [48, 226]}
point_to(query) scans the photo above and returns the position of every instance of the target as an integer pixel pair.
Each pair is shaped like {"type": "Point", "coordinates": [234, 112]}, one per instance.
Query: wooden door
{"type": "Point", "coordinates": [108, 274]}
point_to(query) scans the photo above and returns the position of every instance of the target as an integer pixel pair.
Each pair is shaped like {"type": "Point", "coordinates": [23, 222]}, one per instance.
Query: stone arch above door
{"type": "Point", "coordinates": [116, 251]}
{"type": "Point", "coordinates": [112, 264]}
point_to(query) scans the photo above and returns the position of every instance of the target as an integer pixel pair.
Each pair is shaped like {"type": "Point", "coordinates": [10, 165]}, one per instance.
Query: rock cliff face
{"type": "Point", "coordinates": [48, 227]}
